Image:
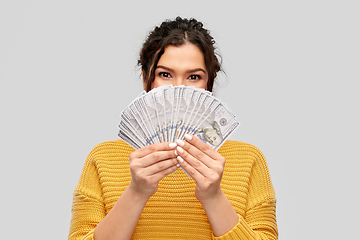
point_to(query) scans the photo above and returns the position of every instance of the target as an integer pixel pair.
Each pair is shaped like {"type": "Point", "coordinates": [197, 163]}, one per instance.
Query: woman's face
{"type": "Point", "coordinates": [181, 65]}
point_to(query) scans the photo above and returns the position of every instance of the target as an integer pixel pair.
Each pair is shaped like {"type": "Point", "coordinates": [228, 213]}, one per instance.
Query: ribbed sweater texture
{"type": "Point", "coordinates": [173, 212]}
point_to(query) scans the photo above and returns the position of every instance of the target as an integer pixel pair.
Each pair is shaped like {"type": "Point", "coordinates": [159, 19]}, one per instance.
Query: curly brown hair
{"type": "Point", "coordinates": [177, 32]}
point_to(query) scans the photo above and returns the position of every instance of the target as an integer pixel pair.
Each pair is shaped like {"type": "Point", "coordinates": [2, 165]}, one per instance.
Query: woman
{"type": "Point", "coordinates": [124, 194]}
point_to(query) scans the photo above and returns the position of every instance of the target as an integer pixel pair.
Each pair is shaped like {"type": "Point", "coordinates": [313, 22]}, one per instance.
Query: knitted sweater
{"type": "Point", "coordinates": [173, 212]}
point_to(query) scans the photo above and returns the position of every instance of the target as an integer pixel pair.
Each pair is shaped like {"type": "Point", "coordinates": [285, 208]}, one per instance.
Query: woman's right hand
{"type": "Point", "coordinates": [148, 165]}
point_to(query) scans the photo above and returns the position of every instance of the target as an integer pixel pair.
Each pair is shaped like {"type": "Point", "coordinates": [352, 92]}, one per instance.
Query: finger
{"type": "Point", "coordinates": [156, 177]}
{"type": "Point", "coordinates": [165, 146]}
{"type": "Point", "coordinates": [192, 164]}
{"type": "Point", "coordinates": [197, 154]}
{"type": "Point", "coordinates": [160, 166]}
{"type": "Point", "coordinates": [195, 141]}
{"type": "Point", "coordinates": [213, 162]}
{"type": "Point", "coordinates": [156, 158]}
{"type": "Point", "coordinates": [190, 170]}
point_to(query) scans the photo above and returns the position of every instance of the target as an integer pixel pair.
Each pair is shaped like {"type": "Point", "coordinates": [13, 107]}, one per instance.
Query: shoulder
{"type": "Point", "coordinates": [236, 152]}
{"type": "Point", "coordinates": [246, 158]}
{"type": "Point", "coordinates": [119, 143]}
{"type": "Point", "coordinates": [111, 148]}
{"type": "Point", "coordinates": [231, 147]}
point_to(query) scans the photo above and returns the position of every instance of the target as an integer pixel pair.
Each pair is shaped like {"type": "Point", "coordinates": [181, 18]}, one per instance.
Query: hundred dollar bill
{"type": "Point", "coordinates": [159, 101]}
{"type": "Point", "coordinates": [132, 132]}
{"type": "Point", "coordinates": [186, 98]}
{"type": "Point", "coordinates": [202, 112]}
{"type": "Point", "coordinates": [193, 103]}
{"type": "Point", "coordinates": [127, 140]}
{"type": "Point", "coordinates": [199, 109]}
{"type": "Point", "coordinates": [135, 110]}
{"type": "Point", "coordinates": [182, 107]}
{"type": "Point", "coordinates": [125, 133]}
{"type": "Point", "coordinates": [151, 111]}
{"type": "Point", "coordinates": [216, 127]}
{"type": "Point", "coordinates": [176, 107]}
{"type": "Point", "coordinates": [169, 111]}
{"type": "Point", "coordinates": [132, 122]}
{"type": "Point", "coordinates": [146, 113]}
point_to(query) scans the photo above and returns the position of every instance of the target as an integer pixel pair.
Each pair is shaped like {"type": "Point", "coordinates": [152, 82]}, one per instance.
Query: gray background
{"type": "Point", "coordinates": [68, 68]}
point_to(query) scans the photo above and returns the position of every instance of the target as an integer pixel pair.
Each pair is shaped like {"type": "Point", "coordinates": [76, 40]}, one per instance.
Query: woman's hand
{"type": "Point", "coordinates": [203, 164]}
{"type": "Point", "coordinates": [149, 165]}
{"type": "Point", "coordinates": [206, 167]}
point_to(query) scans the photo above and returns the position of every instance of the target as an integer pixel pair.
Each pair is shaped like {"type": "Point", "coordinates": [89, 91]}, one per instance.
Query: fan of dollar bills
{"type": "Point", "coordinates": [167, 113]}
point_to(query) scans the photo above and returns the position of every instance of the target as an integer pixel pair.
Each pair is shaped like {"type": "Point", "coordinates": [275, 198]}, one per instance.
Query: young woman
{"type": "Point", "coordinates": [128, 194]}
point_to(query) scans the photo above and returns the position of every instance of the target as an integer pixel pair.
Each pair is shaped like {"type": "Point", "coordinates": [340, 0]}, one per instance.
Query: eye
{"type": "Point", "coordinates": [194, 77]}
{"type": "Point", "coordinates": [165, 75]}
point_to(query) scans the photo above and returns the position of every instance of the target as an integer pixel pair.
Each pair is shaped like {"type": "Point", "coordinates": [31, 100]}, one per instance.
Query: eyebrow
{"type": "Point", "coordinates": [189, 71]}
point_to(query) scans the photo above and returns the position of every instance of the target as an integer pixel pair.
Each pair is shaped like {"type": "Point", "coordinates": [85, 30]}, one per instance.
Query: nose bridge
{"type": "Point", "coordinates": [179, 80]}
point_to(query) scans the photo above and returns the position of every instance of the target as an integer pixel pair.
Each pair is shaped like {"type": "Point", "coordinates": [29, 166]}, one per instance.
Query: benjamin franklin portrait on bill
{"type": "Point", "coordinates": [211, 134]}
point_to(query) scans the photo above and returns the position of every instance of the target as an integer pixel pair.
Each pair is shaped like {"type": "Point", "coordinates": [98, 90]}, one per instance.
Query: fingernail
{"type": "Point", "coordinates": [178, 165]}
{"type": "Point", "coordinates": [188, 137]}
{"type": "Point", "coordinates": [176, 153]}
{"type": "Point", "coordinates": [180, 149]}
{"type": "Point", "coordinates": [180, 159]}
{"type": "Point", "coordinates": [172, 145]}
{"type": "Point", "coordinates": [180, 142]}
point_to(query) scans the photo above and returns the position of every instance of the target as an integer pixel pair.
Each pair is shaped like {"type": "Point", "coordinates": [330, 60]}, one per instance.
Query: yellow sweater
{"type": "Point", "coordinates": [173, 212]}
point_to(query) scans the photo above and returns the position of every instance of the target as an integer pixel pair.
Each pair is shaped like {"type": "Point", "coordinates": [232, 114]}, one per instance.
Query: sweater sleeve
{"type": "Point", "coordinates": [88, 208]}
{"type": "Point", "coordinates": [259, 221]}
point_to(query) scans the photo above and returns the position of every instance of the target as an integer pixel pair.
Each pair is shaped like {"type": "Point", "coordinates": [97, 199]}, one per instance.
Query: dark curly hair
{"type": "Point", "coordinates": [178, 32]}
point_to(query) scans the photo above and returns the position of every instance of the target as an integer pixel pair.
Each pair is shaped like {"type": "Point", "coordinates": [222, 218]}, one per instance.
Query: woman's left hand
{"type": "Point", "coordinates": [206, 167]}
{"type": "Point", "coordinates": [203, 164]}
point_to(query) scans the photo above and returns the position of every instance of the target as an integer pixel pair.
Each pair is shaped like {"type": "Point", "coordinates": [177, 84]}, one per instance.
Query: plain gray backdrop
{"type": "Point", "coordinates": [68, 68]}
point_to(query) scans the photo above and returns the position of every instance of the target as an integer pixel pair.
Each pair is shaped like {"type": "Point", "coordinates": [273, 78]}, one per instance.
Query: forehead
{"type": "Point", "coordinates": [184, 56]}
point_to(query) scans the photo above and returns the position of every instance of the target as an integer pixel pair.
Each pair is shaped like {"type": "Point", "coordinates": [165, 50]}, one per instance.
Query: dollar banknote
{"type": "Point", "coordinates": [167, 113]}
